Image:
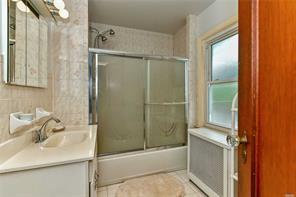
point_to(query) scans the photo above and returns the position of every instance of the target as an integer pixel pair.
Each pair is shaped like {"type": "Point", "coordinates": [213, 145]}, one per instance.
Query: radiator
{"type": "Point", "coordinates": [208, 164]}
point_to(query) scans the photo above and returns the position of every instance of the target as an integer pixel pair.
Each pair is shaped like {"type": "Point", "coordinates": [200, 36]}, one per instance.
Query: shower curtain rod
{"type": "Point", "coordinates": [135, 55]}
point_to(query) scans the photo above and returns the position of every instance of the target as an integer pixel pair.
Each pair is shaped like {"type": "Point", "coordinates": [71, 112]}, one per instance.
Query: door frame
{"type": "Point", "coordinates": [248, 95]}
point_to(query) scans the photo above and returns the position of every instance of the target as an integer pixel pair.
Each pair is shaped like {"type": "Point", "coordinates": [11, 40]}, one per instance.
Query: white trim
{"type": "Point", "coordinates": [215, 137]}
{"type": "Point", "coordinates": [214, 39]}
{"type": "Point", "coordinates": [201, 68]}
{"type": "Point", "coordinates": [218, 139]}
{"type": "Point", "coordinates": [4, 38]}
{"type": "Point", "coordinates": [225, 172]}
{"type": "Point", "coordinates": [188, 152]}
{"type": "Point", "coordinates": [202, 186]}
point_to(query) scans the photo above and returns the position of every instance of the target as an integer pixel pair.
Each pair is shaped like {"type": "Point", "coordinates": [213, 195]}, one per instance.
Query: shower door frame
{"type": "Point", "coordinates": [93, 108]}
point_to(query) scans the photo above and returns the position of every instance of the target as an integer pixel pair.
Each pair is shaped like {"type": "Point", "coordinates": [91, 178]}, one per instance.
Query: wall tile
{"type": "Point", "coordinates": [135, 40]}
{"type": "Point", "coordinates": [70, 62]}
{"type": "Point", "coordinates": [180, 42]}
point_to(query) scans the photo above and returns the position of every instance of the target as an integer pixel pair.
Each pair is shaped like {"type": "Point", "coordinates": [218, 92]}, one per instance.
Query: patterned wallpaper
{"type": "Point", "coordinates": [135, 40]}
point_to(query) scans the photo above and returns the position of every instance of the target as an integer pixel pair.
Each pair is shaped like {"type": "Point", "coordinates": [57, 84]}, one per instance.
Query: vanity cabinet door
{"type": "Point", "coordinates": [61, 180]}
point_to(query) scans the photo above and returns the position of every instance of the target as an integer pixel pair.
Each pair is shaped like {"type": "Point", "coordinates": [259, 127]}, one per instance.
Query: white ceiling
{"type": "Point", "coordinates": [165, 16]}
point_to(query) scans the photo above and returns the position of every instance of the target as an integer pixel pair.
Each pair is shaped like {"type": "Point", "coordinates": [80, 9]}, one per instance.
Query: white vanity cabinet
{"type": "Point", "coordinates": [73, 180]}
{"type": "Point", "coordinates": [64, 165]}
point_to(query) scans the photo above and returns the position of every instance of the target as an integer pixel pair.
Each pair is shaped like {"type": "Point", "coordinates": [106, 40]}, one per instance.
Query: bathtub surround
{"type": "Point", "coordinates": [69, 58]}
{"type": "Point", "coordinates": [141, 41]}
{"type": "Point", "coordinates": [135, 40]}
{"type": "Point", "coordinates": [182, 44]}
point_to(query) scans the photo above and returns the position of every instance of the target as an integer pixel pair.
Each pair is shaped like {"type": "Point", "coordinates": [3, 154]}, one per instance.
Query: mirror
{"type": "Point", "coordinates": [27, 46]}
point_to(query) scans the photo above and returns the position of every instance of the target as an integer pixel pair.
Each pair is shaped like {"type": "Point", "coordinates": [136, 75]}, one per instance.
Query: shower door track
{"type": "Point", "coordinates": [135, 55]}
{"type": "Point", "coordinates": [130, 152]}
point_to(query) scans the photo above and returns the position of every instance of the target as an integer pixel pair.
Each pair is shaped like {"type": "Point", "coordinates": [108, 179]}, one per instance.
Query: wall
{"type": "Point", "coordinates": [180, 46]}
{"type": "Point", "coordinates": [216, 13]}
{"type": "Point", "coordinates": [69, 58]}
{"type": "Point", "coordinates": [67, 91]}
{"type": "Point", "coordinates": [135, 40]}
{"type": "Point", "coordinates": [192, 71]}
{"type": "Point", "coordinates": [14, 99]}
{"type": "Point", "coordinates": [218, 16]}
{"type": "Point", "coordinates": [17, 98]}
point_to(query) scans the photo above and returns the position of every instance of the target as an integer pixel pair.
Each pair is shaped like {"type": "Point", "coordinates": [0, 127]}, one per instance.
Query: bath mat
{"type": "Point", "coordinates": [159, 185]}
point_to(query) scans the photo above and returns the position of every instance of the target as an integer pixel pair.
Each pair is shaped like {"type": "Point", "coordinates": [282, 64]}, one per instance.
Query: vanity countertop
{"type": "Point", "coordinates": [36, 156]}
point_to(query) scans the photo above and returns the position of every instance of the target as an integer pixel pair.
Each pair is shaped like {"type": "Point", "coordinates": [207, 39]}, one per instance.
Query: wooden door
{"type": "Point", "coordinates": [267, 97]}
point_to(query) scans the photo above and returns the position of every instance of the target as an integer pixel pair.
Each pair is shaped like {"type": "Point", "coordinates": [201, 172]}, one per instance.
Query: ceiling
{"type": "Point", "coordinates": [165, 16]}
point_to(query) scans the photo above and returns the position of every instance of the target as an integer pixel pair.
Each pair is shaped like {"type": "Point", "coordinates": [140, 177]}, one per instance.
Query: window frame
{"type": "Point", "coordinates": [223, 35]}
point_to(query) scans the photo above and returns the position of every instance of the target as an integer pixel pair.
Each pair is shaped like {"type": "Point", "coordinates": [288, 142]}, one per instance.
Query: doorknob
{"type": "Point", "coordinates": [235, 141]}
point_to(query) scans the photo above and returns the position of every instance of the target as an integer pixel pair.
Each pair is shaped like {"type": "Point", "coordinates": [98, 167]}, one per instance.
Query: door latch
{"type": "Point", "coordinates": [235, 141]}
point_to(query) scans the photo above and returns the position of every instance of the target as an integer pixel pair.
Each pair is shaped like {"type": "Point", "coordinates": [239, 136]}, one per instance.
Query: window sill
{"type": "Point", "coordinates": [212, 135]}
{"type": "Point", "coordinates": [217, 128]}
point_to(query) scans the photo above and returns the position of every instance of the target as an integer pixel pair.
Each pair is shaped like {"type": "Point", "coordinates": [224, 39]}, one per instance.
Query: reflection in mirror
{"type": "Point", "coordinates": [43, 40]}
{"type": "Point", "coordinates": [32, 48]}
{"type": "Point", "coordinates": [17, 44]}
{"type": "Point", "coordinates": [28, 37]}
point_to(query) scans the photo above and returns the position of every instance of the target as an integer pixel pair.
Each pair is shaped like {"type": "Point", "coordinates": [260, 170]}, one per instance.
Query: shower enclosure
{"type": "Point", "coordinates": [138, 101]}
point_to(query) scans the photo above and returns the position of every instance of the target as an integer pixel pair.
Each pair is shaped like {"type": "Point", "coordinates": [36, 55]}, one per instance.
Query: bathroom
{"type": "Point", "coordinates": [141, 98]}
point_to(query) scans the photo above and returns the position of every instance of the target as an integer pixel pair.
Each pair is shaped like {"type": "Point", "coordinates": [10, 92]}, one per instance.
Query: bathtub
{"type": "Point", "coordinates": [117, 168]}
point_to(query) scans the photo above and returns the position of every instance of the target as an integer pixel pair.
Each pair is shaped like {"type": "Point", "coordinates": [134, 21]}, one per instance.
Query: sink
{"type": "Point", "coordinates": [65, 139]}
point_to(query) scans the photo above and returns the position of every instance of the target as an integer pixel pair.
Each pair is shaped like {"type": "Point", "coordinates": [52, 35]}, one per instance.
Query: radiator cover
{"type": "Point", "coordinates": [208, 166]}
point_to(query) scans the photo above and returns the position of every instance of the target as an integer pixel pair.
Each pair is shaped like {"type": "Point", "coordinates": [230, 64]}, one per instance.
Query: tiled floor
{"type": "Point", "coordinates": [190, 189]}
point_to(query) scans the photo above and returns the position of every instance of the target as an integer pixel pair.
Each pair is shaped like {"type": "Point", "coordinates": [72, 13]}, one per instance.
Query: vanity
{"type": "Point", "coordinates": [63, 165]}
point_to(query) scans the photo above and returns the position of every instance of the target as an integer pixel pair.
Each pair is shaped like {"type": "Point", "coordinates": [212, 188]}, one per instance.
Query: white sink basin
{"type": "Point", "coordinates": [65, 139]}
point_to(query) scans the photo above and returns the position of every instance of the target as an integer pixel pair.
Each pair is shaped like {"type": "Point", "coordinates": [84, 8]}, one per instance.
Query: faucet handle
{"type": "Point", "coordinates": [58, 128]}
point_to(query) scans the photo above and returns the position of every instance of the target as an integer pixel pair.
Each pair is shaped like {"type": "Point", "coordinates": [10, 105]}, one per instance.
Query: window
{"type": "Point", "coordinates": [222, 80]}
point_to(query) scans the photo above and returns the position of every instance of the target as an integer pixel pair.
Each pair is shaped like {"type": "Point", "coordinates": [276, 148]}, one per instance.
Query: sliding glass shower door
{"type": "Point", "coordinates": [165, 105]}
{"type": "Point", "coordinates": [120, 103]}
{"type": "Point", "coordinates": [137, 102]}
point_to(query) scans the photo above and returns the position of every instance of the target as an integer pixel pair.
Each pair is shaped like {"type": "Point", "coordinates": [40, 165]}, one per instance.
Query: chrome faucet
{"type": "Point", "coordinates": [41, 133]}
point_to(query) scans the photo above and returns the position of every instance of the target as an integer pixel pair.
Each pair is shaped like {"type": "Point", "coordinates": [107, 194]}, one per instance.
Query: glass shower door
{"type": "Point", "coordinates": [121, 83]}
{"type": "Point", "coordinates": [165, 103]}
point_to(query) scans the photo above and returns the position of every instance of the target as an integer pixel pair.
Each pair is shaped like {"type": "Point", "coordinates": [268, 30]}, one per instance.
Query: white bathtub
{"type": "Point", "coordinates": [119, 167]}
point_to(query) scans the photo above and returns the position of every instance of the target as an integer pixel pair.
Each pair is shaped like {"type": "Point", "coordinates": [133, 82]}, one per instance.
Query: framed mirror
{"type": "Point", "coordinates": [24, 43]}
